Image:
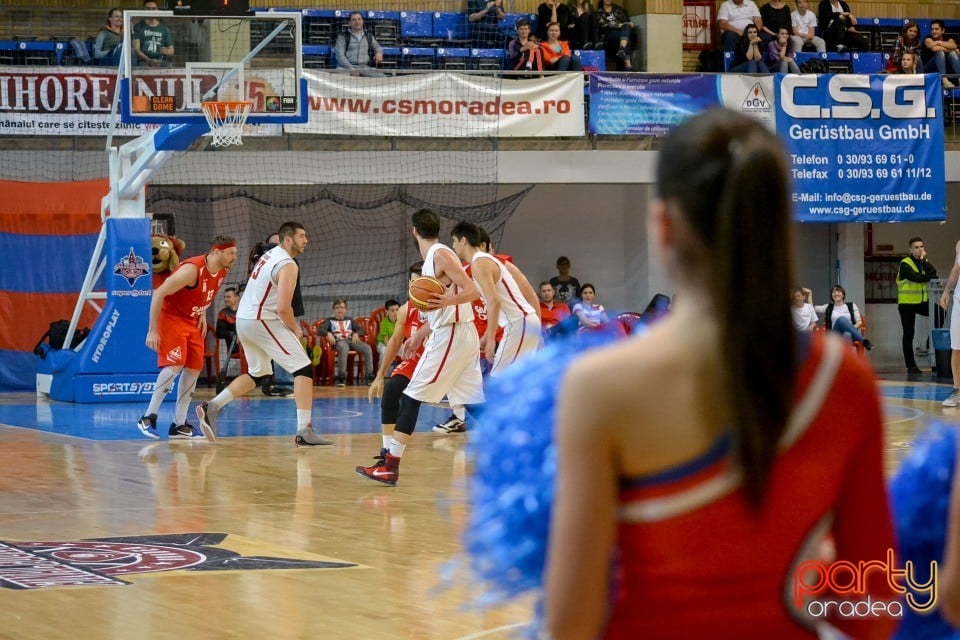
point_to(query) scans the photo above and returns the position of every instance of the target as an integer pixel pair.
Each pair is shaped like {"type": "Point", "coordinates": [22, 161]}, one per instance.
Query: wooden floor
{"type": "Point", "coordinates": [251, 537]}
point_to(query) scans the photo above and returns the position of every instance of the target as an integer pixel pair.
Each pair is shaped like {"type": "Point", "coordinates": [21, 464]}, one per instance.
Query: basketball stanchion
{"type": "Point", "coordinates": [226, 120]}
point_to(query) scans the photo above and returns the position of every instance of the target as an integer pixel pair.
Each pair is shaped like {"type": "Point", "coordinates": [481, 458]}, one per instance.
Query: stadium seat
{"type": "Point", "coordinates": [456, 59]}
{"type": "Point", "coordinates": [487, 59]}
{"type": "Point", "coordinates": [417, 58]}
{"type": "Point", "coordinates": [883, 32]}
{"type": "Point", "coordinates": [508, 26]}
{"type": "Point", "coordinates": [451, 29]}
{"type": "Point", "coordinates": [592, 60]}
{"type": "Point", "coordinates": [385, 26]}
{"type": "Point", "coordinates": [319, 26]}
{"type": "Point", "coordinates": [728, 60]}
{"type": "Point", "coordinates": [416, 28]}
{"type": "Point", "coordinates": [870, 62]}
{"type": "Point", "coordinates": [317, 56]}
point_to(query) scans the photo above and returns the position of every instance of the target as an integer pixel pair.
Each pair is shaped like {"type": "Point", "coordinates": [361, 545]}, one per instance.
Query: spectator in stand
{"type": "Point", "coordinates": [343, 334]}
{"type": "Point", "coordinates": [840, 27]}
{"type": "Point", "coordinates": [554, 11]}
{"type": "Point", "coordinates": [775, 15]}
{"type": "Point", "coordinates": [804, 315]}
{"type": "Point", "coordinates": [583, 29]}
{"type": "Point", "coordinates": [734, 16]}
{"type": "Point", "coordinates": [523, 52]}
{"type": "Point", "coordinates": [227, 322]}
{"type": "Point", "coordinates": [353, 49]}
{"type": "Point", "coordinates": [804, 24]}
{"type": "Point", "coordinates": [566, 286]}
{"type": "Point", "coordinates": [552, 312]}
{"type": "Point", "coordinates": [748, 54]}
{"type": "Point", "coordinates": [908, 64]}
{"type": "Point", "coordinates": [556, 53]}
{"type": "Point", "coordinates": [591, 315]}
{"type": "Point", "coordinates": [618, 34]}
{"type": "Point", "coordinates": [152, 42]}
{"type": "Point", "coordinates": [780, 54]}
{"type": "Point", "coordinates": [939, 52]}
{"type": "Point", "coordinates": [387, 325]}
{"type": "Point", "coordinates": [486, 16]}
{"type": "Point", "coordinates": [839, 315]}
{"type": "Point", "coordinates": [106, 48]}
{"type": "Point", "coordinates": [907, 41]}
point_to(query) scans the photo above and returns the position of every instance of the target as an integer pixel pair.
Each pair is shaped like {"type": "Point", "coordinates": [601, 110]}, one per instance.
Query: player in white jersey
{"type": "Point", "coordinates": [268, 331]}
{"type": "Point", "coordinates": [450, 364]}
{"type": "Point", "coordinates": [510, 300]}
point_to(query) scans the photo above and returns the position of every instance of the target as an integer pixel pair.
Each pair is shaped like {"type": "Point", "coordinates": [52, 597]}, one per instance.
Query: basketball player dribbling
{"type": "Point", "coordinates": [450, 364]}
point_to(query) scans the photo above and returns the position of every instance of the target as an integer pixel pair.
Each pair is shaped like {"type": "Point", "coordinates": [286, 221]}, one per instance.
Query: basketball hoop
{"type": "Point", "coordinates": [226, 121]}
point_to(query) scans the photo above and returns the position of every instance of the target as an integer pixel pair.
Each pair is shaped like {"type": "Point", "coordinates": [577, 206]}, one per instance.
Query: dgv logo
{"type": "Point", "coordinates": [902, 97]}
{"type": "Point", "coordinates": [756, 99]}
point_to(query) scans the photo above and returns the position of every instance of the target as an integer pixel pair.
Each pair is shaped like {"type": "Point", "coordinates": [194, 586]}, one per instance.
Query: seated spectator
{"type": "Point", "coordinates": [553, 11]}
{"type": "Point", "coordinates": [566, 286]}
{"type": "Point", "coordinates": [387, 324]}
{"type": "Point", "coordinates": [804, 315]}
{"type": "Point", "coordinates": [356, 49]}
{"type": "Point", "coordinates": [908, 64]}
{"type": "Point", "coordinates": [485, 15]}
{"type": "Point", "coordinates": [556, 53]}
{"type": "Point", "coordinates": [583, 30]}
{"type": "Point", "coordinates": [839, 27]}
{"type": "Point", "coordinates": [939, 52]}
{"type": "Point", "coordinates": [734, 16]}
{"type": "Point", "coordinates": [907, 41]}
{"type": "Point", "coordinates": [552, 312]}
{"type": "Point", "coordinates": [841, 316]}
{"type": "Point", "coordinates": [591, 315]}
{"type": "Point", "coordinates": [617, 32]}
{"type": "Point", "coordinates": [804, 23]}
{"type": "Point", "coordinates": [774, 15]}
{"type": "Point", "coordinates": [343, 334]}
{"type": "Point", "coordinates": [748, 55]}
{"type": "Point", "coordinates": [523, 52]}
{"type": "Point", "coordinates": [106, 48]}
{"type": "Point", "coordinates": [780, 54]}
{"type": "Point", "coordinates": [226, 329]}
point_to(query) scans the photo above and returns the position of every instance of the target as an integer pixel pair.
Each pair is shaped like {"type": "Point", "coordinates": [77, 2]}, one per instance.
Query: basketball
{"type": "Point", "coordinates": [421, 289]}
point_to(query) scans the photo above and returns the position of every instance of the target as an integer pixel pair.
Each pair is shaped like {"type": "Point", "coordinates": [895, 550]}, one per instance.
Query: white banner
{"type": "Point", "coordinates": [444, 105]}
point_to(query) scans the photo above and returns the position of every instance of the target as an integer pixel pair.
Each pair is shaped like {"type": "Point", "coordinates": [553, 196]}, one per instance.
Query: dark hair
{"type": "Point", "coordinates": [943, 25]}
{"type": "Point", "coordinates": [914, 239]}
{"type": "Point", "coordinates": [837, 287]}
{"type": "Point", "coordinates": [354, 13]}
{"type": "Point", "coordinates": [522, 22]}
{"type": "Point", "coordinates": [339, 301]}
{"type": "Point", "coordinates": [391, 303]}
{"type": "Point", "coordinates": [467, 230]}
{"type": "Point", "coordinates": [485, 239]}
{"type": "Point", "coordinates": [584, 286]}
{"type": "Point", "coordinates": [231, 289]}
{"type": "Point", "coordinates": [545, 282]}
{"type": "Point", "coordinates": [726, 174]}
{"type": "Point", "coordinates": [563, 260]}
{"type": "Point", "coordinates": [416, 267]}
{"type": "Point", "coordinates": [110, 13]}
{"type": "Point", "coordinates": [288, 230]}
{"type": "Point", "coordinates": [908, 25]}
{"type": "Point", "coordinates": [221, 239]}
{"type": "Point", "coordinates": [744, 37]}
{"type": "Point", "coordinates": [427, 224]}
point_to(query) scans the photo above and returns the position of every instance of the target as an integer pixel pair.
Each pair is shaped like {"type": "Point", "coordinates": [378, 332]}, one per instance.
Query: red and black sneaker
{"type": "Point", "coordinates": [386, 472]}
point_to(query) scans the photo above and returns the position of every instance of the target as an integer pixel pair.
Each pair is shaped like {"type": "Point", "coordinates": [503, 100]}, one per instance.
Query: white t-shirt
{"type": "Point", "coordinates": [840, 311]}
{"type": "Point", "coordinates": [739, 16]}
{"type": "Point", "coordinates": [804, 316]}
{"type": "Point", "coordinates": [806, 24]}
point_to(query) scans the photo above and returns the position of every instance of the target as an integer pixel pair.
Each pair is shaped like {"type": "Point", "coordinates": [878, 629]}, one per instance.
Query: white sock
{"type": "Point", "coordinates": [396, 449]}
{"type": "Point", "coordinates": [386, 440]}
{"type": "Point", "coordinates": [460, 411]}
{"type": "Point", "coordinates": [221, 400]}
{"type": "Point", "coordinates": [303, 419]}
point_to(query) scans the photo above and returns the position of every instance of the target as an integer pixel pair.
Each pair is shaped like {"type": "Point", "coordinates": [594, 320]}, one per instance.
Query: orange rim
{"type": "Point", "coordinates": [219, 108]}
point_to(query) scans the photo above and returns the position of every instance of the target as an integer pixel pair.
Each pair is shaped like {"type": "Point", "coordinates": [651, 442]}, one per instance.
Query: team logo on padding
{"type": "Point", "coordinates": [105, 561]}
{"type": "Point", "coordinates": [131, 267]}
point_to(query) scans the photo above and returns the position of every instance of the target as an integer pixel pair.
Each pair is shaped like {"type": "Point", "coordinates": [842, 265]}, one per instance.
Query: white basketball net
{"type": "Point", "coordinates": [226, 120]}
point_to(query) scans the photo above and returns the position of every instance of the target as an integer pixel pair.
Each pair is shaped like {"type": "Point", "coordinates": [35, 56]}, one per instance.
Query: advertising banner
{"type": "Point", "coordinates": [864, 148]}
{"type": "Point", "coordinates": [444, 105]}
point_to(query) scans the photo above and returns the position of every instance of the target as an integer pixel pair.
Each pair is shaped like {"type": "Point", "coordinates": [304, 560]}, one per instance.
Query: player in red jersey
{"type": "Point", "coordinates": [715, 452]}
{"type": "Point", "coordinates": [178, 328]}
{"type": "Point", "coordinates": [409, 319]}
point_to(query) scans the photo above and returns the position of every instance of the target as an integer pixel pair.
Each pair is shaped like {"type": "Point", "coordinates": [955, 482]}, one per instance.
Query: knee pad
{"type": "Point", "coordinates": [305, 371]}
{"type": "Point", "coordinates": [390, 402]}
{"type": "Point", "coordinates": [258, 380]}
{"type": "Point", "coordinates": [407, 417]}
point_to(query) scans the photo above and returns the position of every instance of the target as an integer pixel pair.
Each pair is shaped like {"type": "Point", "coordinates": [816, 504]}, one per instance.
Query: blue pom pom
{"type": "Point", "coordinates": [920, 499]}
{"type": "Point", "coordinates": [515, 464]}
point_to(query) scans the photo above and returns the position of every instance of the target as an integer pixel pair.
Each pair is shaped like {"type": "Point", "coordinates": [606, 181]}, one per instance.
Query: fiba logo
{"type": "Point", "coordinates": [755, 100]}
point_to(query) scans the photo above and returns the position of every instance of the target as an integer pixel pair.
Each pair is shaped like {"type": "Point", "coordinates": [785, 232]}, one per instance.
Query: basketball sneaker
{"type": "Point", "coordinates": [184, 432]}
{"type": "Point", "coordinates": [207, 416]}
{"type": "Point", "coordinates": [148, 426]}
{"type": "Point", "coordinates": [452, 425]}
{"type": "Point", "coordinates": [386, 472]}
{"type": "Point", "coordinates": [953, 399]}
{"type": "Point", "coordinates": [309, 437]}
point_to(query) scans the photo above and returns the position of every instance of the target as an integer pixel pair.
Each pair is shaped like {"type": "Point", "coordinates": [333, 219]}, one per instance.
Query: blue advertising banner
{"type": "Point", "coordinates": [651, 105]}
{"type": "Point", "coordinates": [863, 148]}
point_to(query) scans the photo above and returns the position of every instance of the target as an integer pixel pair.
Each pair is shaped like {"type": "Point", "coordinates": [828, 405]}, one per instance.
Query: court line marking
{"type": "Point", "coordinates": [505, 627]}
